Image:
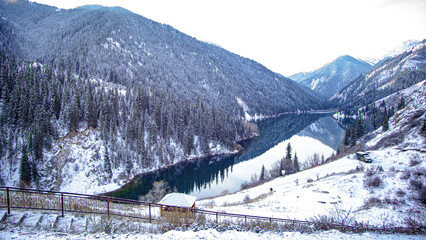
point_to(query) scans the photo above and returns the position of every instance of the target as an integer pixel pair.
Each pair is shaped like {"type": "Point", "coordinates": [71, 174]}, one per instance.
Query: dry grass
{"type": "Point", "coordinates": [373, 182]}
{"type": "Point", "coordinates": [248, 200]}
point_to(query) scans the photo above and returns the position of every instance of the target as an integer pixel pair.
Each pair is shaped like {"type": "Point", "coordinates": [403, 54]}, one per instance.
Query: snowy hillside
{"type": "Point", "coordinates": [405, 125]}
{"type": "Point", "coordinates": [76, 163]}
{"type": "Point", "coordinates": [122, 47]}
{"type": "Point", "coordinates": [392, 75]}
{"type": "Point", "coordinates": [379, 193]}
{"type": "Point", "coordinates": [329, 79]}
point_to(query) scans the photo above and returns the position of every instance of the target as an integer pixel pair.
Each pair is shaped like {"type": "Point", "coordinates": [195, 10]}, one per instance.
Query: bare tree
{"type": "Point", "coordinates": [158, 191]}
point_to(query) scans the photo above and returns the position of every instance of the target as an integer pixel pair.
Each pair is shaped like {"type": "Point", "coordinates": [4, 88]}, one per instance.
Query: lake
{"type": "Point", "coordinates": [307, 133]}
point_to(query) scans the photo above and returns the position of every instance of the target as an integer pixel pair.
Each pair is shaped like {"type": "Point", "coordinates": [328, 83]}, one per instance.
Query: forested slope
{"type": "Point", "coordinates": [121, 47]}
{"type": "Point", "coordinates": [391, 75]}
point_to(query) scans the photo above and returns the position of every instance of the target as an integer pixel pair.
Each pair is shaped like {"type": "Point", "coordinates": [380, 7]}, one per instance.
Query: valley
{"type": "Point", "coordinates": [101, 100]}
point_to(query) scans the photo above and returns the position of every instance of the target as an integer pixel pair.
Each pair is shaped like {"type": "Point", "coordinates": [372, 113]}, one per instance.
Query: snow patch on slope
{"type": "Point", "coordinates": [246, 109]}
{"type": "Point", "coordinates": [315, 82]}
{"type": "Point", "coordinates": [338, 184]}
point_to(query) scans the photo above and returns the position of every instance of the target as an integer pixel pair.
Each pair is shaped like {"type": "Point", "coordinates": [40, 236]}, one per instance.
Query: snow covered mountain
{"type": "Point", "coordinates": [405, 46]}
{"type": "Point", "coordinates": [329, 79]}
{"type": "Point", "coordinates": [394, 74]}
{"type": "Point", "coordinates": [122, 47]}
{"type": "Point", "coordinates": [106, 95]}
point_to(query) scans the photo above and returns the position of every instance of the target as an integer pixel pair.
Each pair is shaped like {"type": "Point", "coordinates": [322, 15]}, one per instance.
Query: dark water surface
{"type": "Point", "coordinates": [205, 177]}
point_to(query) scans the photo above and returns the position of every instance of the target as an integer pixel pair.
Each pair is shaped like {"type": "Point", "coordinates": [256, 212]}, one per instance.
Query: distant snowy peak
{"type": "Point", "coordinates": [406, 46]}
{"type": "Point", "coordinates": [333, 76]}
{"type": "Point", "coordinates": [391, 75]}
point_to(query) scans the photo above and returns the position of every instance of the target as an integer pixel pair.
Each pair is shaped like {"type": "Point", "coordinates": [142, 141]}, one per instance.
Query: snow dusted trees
{"type": "Point", "coordinates": [139, 125]}
{"type": "Point", "coordinates": [287, 164]}
{"type": "Point", "coordinates": [24, 168]}
{"type": "Point", "coordinates": [73, 116]}
{"type": "Point", "coordinates": [107, 163]}
{"type": "Point", "coordinates": [91, 110]}
{"type": "Point", "coordinates": [262, 174]}
{"type": "Point", "coordinates": [370, 119]}
{"type": "Point", "coordinates": [296, 166]}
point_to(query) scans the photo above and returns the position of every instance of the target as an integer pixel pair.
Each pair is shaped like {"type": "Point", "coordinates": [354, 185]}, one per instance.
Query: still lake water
{"type": "Point", "coordinates": [307, 133]}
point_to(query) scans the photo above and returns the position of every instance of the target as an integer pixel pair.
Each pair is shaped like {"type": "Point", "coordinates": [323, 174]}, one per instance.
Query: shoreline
{"type": "Point", "coordinates": [263, 117]}
{"type": "Point", "coordinates": [238, 149]}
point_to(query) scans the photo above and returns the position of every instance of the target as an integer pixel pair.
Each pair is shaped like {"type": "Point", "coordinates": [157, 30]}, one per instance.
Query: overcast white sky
{"type": "Point", "coordinates": [287, 36]}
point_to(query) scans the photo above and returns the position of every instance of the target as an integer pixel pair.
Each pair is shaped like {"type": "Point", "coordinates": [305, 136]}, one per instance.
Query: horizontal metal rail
{"type": "Point", "coordinates": [23, 198]}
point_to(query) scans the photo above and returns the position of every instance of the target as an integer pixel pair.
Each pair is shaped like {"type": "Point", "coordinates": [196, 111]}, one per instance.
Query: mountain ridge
{"type": "Point", "coordinates": [391, 75]}
{"type": "Point", "coordinates": [333, 76]}
{"type": "Point", "coordinates": [126, 48]}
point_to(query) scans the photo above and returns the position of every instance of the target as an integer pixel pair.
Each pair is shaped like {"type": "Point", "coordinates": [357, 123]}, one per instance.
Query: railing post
{"type": "Point", "coordinates": [8, 200]}
{"type": "Point", "coordinates": [108, 206]}
{"type": "Point", "coordinates": [23, 198]}
{"type": "Point", "coordinates": [245, 219]}
{"type": "Point", "coordinates": [149, 207]}
{"type": "Point", "coordinates": [62, 204]}
{"type": "Point", "coordinates": [217, 217]}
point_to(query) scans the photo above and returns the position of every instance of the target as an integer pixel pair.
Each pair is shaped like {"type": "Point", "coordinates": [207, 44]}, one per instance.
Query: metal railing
{"type": "Point", "coordinates": [23, 198]}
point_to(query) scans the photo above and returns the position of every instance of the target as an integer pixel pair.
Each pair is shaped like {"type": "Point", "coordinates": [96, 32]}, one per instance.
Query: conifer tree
{"type": "Point", "coordinates": [288, 151]}
{"type": "Point", "coordinates": [262, 174]}
{"type": "Point", "coordinates": [107, 163]}
{"type": "Point", "coordinates": [73, 117]}
{"type": "Point", "coordinates": [347, 137]}
{"type": "Point", "coordinates": [204, 145]}
{"type": "Point", "coordinates": [2, 145]}
{"type": "Point", "coordinates": [288, 163]}
{"type": "Point", "coordinates": [34, 173]}
{"type": "Point", "coordinates": [296, 166]}
{"type": "Point", "coordinates": [401, 104]}
{"type": "Point", "coordinates": [160, 155]}
{"type": "Point", "coordinates": [359, 123]}
{"type": "Point", "coordinates": [385, 123]}
{"type": "Point", "coordinates": [288, 166]}
{"type": "Point", "coordinates": [282, 166]}
{"type": "Point", "coordinates": [24, 168]}
{"type": "Point", "coordinates": [91, 113]}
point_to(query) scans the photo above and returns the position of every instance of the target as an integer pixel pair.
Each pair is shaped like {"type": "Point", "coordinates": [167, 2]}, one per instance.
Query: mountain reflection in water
{"type": "Point", "coordinates": [205, 177]}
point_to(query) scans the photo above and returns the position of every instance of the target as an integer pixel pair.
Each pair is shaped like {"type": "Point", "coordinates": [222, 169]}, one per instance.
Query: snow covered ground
{"type": "Point", "coordinates": [243, 171]}
{"type": "Point", "coordinates": [345, 184]}
{"type": "Point", "coordinates": [204, 234]}
{"type": "Point", "coordinates": [336, 184]}
{"type": "Point", "coordinates": [37, 225]}
{"type": "Point", "coordinates": [341, 186]}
